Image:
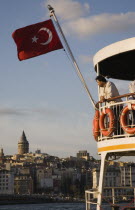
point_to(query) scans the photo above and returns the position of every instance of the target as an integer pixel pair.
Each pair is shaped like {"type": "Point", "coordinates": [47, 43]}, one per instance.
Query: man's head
{"type": "Point", "coordinates": [101, 81]}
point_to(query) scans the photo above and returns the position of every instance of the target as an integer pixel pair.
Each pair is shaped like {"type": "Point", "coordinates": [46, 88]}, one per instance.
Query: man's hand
{"type": "Point", "coordinates": [102, 99]}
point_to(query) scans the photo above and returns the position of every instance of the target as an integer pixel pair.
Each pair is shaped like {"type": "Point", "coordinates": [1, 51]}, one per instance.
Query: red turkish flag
{"type": "Point", "coordinates": [36, 39]}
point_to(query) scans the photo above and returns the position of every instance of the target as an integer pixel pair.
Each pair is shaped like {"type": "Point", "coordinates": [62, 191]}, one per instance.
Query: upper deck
{"type": "Point", "coordinates": [122, 136]}
{"type": "Point", "coordinates": [117, 119]}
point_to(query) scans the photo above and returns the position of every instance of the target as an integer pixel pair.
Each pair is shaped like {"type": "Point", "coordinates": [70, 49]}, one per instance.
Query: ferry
{"type": "Point", "coordinates": [113, 124]}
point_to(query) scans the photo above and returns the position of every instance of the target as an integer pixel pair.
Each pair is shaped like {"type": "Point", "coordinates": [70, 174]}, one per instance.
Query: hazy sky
{"type": "Point", "coordinates": [43, 96]}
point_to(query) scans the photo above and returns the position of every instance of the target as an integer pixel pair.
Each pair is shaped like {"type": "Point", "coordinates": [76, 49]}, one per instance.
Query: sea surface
{"type": "Point", "coordinates": [57, 206]}
{"type": "Point", "coordinates": [45, 206]}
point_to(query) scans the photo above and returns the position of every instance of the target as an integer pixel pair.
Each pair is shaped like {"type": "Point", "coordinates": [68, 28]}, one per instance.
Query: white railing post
{"type": "Point", "coordinates": [113, 198]}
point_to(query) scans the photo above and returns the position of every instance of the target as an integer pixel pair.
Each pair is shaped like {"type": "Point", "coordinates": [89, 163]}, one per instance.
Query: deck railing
{"type": "Point", "coordinates": [90, 197]}
{"type": "Point", "coordinates": [117, 107]}
{"type": "Point", "coordinates": [115, 195]}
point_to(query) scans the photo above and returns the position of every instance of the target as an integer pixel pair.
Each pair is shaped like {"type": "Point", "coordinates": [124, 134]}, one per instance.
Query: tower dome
{"type": "Point", "coordinates": [23, 145]}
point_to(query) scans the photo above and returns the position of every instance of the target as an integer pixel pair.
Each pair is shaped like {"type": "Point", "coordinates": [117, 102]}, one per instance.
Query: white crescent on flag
{"type": "Point", "coordinates": [36, 39]}
{"type": "Point", "coordinates": [49, 38]}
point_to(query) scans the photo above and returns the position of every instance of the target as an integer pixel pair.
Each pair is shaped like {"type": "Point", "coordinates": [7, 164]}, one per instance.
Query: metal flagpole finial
{"type": "Point", "coordinates": [51, 9]}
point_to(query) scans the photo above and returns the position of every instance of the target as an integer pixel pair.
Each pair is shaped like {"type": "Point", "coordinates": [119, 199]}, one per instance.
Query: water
{"type": "Point", "coordinates": [56, 206]}
{"type": "Point", "coordinates": [45, 206]}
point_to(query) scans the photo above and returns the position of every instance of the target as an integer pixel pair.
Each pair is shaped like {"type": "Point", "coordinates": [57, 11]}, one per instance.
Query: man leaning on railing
{"type": "Point", "coordinates": [108, 90]}
{"type": "Point", "coordinates": [132, 90]}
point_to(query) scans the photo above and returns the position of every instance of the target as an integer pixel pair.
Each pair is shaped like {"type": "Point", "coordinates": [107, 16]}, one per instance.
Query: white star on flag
{"type": "Point", "coordinates": [34, 39]}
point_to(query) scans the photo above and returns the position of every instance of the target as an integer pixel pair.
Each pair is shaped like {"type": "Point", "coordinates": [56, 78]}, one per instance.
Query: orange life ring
{"type": "Point", "coordinates": [123, 120]}
{"type": "Point", "coordinates": [110, 130]}
{"type": "Point", "coordinates": [96, 130]}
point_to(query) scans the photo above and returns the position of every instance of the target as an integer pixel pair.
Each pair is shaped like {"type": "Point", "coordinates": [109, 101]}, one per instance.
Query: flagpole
{"type": "Point", "coordinates": [52, 13]}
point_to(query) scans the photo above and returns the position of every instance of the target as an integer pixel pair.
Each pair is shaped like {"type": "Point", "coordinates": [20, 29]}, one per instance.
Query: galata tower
{"type": "Point", "coordinates": [23, 145]}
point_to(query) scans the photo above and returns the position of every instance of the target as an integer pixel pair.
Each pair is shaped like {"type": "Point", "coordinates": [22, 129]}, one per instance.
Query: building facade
{"type": "Point", "coordinates": [83, 154]}
{"type": "Point", "coordinates": [6, 182]}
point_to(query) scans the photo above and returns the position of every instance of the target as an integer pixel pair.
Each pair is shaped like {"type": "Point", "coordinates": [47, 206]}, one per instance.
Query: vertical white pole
{"type": "Point", "coordinates": [101, 180]}
{"type": "Point", "coordinates": [113, 199]}
{"type": "Point", "coordinates": [86, 201]}
{"type": "Point", "coordinates": [97, 75]}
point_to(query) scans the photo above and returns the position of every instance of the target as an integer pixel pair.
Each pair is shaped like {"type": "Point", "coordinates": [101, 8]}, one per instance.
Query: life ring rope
{"type": "Point", "coordinates": [96, 130]}
{"type": "Point", "coordinates": [123, 120]}
{"type": "Point", "coordinates": [107, 131]}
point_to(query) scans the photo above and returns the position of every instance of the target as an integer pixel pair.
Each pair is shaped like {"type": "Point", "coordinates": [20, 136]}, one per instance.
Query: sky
{"type": "Point", "coordinates": [43, 95]}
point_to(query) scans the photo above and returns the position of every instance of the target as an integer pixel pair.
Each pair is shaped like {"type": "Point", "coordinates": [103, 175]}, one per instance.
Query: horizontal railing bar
{"type": "Point", "coordinates": [117, 97]}
{"type": "Point", "coordinates": [92, 192]}
{"type": "Point", "coordinates": [92, 202]}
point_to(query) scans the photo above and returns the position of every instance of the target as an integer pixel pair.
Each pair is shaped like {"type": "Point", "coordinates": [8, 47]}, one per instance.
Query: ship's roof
{"type": "Point", "coordinates": [117, 60]}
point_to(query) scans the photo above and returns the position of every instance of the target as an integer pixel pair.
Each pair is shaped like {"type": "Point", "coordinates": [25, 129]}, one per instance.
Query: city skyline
{"type": "Point", "coordinates": [43, 96]}
{"type": "Point", "coordinates": [23, 147]}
